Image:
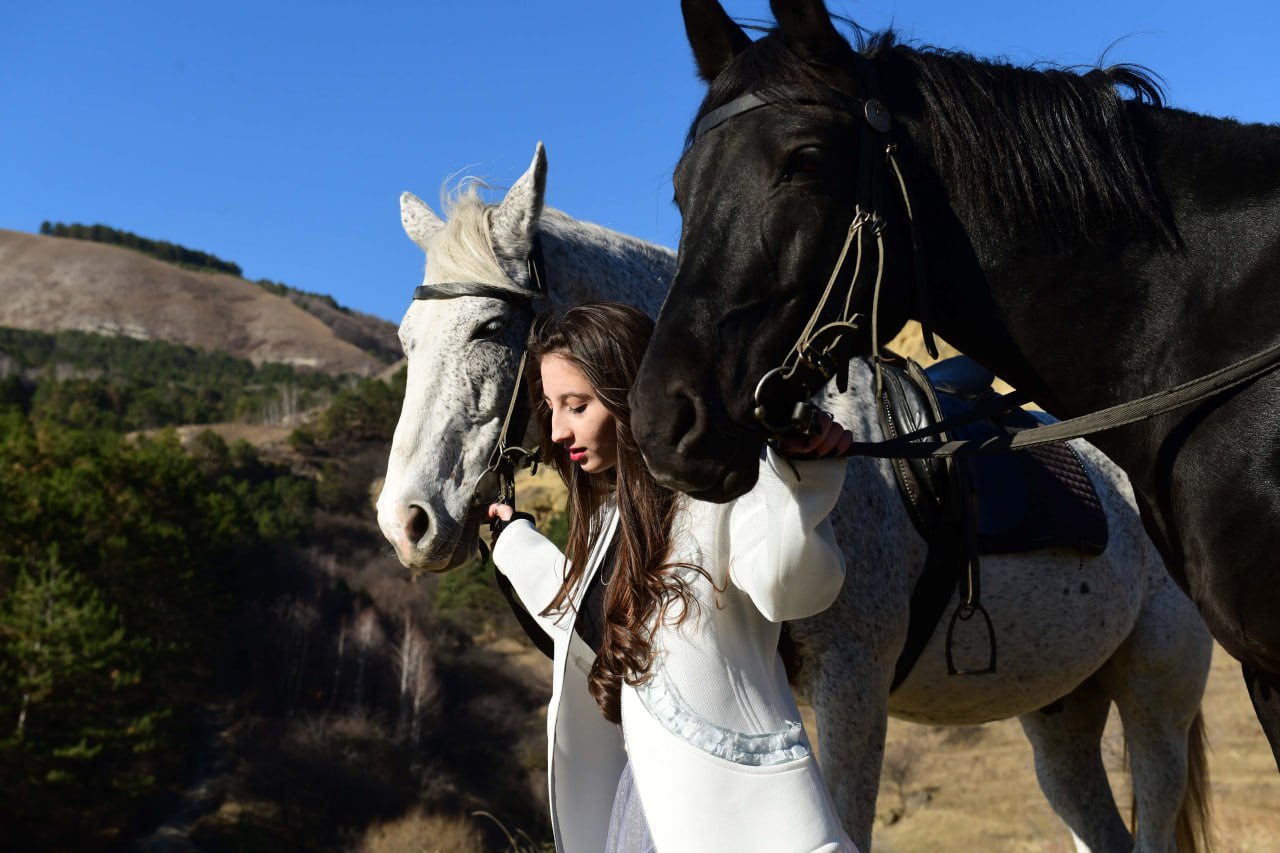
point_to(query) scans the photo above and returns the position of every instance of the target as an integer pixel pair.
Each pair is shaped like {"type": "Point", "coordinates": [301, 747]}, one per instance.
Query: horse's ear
{"type": "Point", "coordinates": [713, 35]}
{"type": "Point", "coordinates": [807, 26]}
{"type": "Point", "coordinates": [420, 222]}
{"type": "Point", "coordinates": [515, 220]}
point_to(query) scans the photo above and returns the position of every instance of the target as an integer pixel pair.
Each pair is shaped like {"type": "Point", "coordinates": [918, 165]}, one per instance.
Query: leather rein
{"type": "Point", "coordinates": [497, 482]}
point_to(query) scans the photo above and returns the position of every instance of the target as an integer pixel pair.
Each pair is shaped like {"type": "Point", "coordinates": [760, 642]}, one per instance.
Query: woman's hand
{"type": "Point", "coordinates": [500, 515]}
{"type": "Point", "coordinates": [827, 439]}
{"type": "Point", "coordinates": [502, 512]}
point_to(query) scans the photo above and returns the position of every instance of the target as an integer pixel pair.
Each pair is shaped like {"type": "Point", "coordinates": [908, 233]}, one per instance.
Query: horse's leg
{"type": "Point", "coordinates": [1067, 739]}
{"type": "Point", "coordinates": [1157, 679]}
{"type": "Point", "coordinates": [1264, 691]}
{"type": "Point", "coordinates": [853, 717]}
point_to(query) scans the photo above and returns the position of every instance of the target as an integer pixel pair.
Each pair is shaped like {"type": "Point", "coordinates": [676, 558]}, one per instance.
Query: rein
{"type": "Point", "coordinates": [1197, 390]}
{"type": "Point", "coordinates": [497, 482]}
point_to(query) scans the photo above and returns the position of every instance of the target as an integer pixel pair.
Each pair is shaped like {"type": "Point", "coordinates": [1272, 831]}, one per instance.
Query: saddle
{"type": "Point", "coordinates": [963, 507]}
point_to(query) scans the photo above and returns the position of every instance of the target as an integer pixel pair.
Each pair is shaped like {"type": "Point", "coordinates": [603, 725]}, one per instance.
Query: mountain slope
{"type": "Point", "coordinates": [52, 284]}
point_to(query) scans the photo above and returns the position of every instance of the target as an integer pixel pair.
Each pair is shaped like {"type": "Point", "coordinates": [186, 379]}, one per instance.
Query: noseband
{"type": "Point", "coordinates": [497, 483]}
{"type": "Point", "coordinates": [822, 352]}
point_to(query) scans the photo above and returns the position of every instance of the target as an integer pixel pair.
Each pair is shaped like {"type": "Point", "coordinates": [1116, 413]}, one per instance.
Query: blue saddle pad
{"type": "Point", "coordinates": [1042, 497]}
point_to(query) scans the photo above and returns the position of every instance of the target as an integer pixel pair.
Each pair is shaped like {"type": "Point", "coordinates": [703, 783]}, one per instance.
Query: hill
{"type": "Point", "coordinates": [49, 284]}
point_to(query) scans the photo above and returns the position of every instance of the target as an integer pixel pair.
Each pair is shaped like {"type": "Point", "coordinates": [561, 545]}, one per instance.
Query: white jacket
{"type": "Point", "coordinates": [719, 757]}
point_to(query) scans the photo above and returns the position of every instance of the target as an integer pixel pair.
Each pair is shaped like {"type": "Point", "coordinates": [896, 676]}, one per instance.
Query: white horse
{"type": "Point", "coordinates": [1075, 633]}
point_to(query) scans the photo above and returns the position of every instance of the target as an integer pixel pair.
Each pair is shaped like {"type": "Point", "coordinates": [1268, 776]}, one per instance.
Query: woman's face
{"type": "Point", "coordinates": [579, 421]}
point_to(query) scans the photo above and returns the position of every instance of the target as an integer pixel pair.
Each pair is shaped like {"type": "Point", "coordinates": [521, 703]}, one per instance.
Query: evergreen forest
{"type": "Point", "coordinates": [205, 640]}
{"type": "Point", "coordinates": [160, 249]}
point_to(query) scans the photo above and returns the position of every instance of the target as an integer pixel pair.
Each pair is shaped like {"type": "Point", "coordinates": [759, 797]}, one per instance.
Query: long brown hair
{"type": "Point", "coordinates": [606, 340]}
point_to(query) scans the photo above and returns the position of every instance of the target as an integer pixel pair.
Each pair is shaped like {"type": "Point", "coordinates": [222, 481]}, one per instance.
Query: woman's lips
{"type": "Point", "coordinates": [576, 453]}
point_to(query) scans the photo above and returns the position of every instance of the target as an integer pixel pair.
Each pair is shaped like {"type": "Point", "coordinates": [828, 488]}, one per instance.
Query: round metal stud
{"type": "Point", "coordinates": [877, 115]}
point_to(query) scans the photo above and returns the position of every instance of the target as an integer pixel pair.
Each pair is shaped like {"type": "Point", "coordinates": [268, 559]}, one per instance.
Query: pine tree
{"type": "Point", "coordinates": [70, 677]}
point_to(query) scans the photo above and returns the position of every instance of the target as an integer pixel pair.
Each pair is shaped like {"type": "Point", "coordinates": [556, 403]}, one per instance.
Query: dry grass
{"type": "Point", "coordinates": [50, 284]}
{"type": "Point", "coordinates": [975, 788]}
{"type": "Point", "coordinates": [421, 833]}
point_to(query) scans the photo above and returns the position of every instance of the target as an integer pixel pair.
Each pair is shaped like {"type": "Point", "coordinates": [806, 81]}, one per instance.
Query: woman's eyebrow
{"type": "Point", "coordinates": [582, 395]}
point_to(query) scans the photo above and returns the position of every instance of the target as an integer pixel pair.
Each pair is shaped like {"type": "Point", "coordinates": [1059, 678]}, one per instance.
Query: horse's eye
{"type": "Point", "coordinates": [806, 161]}
{"type": "Point", "coordinates": [488, 329]}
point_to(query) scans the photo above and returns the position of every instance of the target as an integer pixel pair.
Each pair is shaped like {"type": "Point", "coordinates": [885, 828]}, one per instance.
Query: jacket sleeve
{"type": "Point", "coordinates": [782, 551]}
{"type": "Point", "coordinates": [536, 569]}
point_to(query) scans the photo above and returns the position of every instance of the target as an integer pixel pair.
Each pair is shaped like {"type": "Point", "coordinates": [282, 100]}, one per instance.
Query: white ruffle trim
{"type": "Point", "coordinates": [660, 696]}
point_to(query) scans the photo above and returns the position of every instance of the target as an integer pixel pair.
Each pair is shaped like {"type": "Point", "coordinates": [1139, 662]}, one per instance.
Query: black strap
{"type": "Point", "coordinates": [455, 289]}
{"type": "Point", "coordinates": [818, 94]}
{"type": "Point", "coordinates": [1162, 402]}
{"type": "Point", "coordinates": [541, 640]}
{"type": "Point", "coordinates": [934, 588]}
{"type": "Point", "coordinates": [507, 293]}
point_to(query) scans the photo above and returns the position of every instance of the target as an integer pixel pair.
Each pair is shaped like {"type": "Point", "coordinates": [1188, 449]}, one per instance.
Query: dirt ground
{"type": "Point", "coordinates": [975, 788]}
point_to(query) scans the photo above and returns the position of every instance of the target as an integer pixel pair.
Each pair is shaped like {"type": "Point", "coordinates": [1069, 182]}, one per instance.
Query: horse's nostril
{"type": "Point", "coordinates": [689, 419]}
{"type": "Point", "coordinates": [416, 524]}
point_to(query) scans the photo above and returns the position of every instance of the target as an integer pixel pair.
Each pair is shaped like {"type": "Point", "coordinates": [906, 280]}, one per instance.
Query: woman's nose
{"type": "Point", "coordinates": [559, 432]}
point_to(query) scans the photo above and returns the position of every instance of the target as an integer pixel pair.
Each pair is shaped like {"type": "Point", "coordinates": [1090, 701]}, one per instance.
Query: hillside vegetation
{"type": "Point", "coordinates": [162, 250]}
{"type": "Point", "coordinates": [159, 249]}
{"type": "Point", "coordinates": [50, 284]}
{"type": "Point", "coordinates": [127, 384]}
{"type": "Point", "coordinates": [197, 616]}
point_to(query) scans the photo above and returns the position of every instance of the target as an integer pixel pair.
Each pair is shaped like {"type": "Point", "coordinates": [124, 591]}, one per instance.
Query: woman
{"type": "Point", "coordinates": [666, 612]}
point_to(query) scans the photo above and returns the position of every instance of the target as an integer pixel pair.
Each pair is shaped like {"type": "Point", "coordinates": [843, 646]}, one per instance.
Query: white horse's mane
{"type": "Point", "coordinates": [463, 250]}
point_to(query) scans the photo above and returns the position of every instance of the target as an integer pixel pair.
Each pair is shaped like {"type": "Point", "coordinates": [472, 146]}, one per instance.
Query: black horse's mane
{"type": "Point", "coordinates": [1043, 148]}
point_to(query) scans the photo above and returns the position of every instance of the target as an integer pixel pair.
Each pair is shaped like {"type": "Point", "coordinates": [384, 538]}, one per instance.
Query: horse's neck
{"type": "Point", "coordinates": [1114, 319]}
{"type": "Point", "coordinates": [1108, 319]}
{"type": "Point", "coordinates": [585, 262]}
{"type": "Point", "coordinates": [1205, 162]}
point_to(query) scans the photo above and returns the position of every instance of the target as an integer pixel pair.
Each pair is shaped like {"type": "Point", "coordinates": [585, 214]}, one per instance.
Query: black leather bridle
{"type": "Point", "coordinates": [497, 482]}
{"type": "Point", "coordinates": [822, 352]}
{"type": "Point", "coordinates": [782, 395]}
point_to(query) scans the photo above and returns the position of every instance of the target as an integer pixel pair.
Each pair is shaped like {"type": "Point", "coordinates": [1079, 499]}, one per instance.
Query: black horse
{"type": "Point", "coordinates": [1089, 249]}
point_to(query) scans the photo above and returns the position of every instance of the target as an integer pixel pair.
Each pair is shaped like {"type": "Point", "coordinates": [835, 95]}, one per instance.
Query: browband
{"type": "Point", "coordinates": [516, 295]}
{"type": "Point", "coordinates": [819, 94]}
{"type": "Point", "coordinates": [454, 289]}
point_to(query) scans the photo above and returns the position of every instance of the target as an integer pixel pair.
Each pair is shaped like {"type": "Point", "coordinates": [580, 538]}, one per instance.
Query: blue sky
{"type": "Point", "coordinates": [280, 136]}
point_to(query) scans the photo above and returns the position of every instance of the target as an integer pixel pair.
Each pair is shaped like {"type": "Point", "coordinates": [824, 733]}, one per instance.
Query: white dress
{"type": "Point", "coordinates": [718, 753]}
